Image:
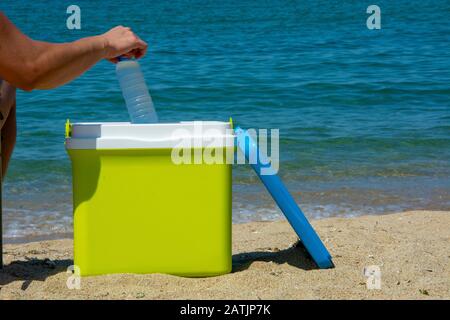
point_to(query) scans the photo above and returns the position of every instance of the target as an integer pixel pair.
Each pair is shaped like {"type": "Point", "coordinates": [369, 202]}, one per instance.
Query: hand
{"type": "Point", "coordinates": [122, 41]}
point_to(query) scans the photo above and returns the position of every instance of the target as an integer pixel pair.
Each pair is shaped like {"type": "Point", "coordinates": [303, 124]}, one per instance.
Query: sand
{"type": "Point", "coordinates": [412, 250]}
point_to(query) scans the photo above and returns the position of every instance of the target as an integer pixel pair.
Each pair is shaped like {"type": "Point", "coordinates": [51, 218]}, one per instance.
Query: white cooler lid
{"type": "Point", "coordinates": [124, 135]}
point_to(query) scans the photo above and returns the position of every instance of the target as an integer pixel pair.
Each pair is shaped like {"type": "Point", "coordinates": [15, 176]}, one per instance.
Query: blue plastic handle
{"type": "Point", "coordinates": [284, 200]}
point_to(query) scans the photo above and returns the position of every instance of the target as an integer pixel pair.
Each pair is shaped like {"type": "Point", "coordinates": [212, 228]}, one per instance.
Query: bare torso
{"type": "Point", "coordinates": [7, 121]}
{"type": "Point", "coordinates": [7, 100]}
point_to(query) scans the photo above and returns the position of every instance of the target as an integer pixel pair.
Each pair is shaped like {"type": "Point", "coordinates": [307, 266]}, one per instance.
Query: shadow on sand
{"type": "Point", "coordinates": [32, 270]}
{"type": "Point", "coordinates": [296, 256]}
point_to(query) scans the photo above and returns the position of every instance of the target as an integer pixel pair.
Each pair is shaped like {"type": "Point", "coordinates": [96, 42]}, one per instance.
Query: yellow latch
{"type": "Point", "coordinates": [68, 129]}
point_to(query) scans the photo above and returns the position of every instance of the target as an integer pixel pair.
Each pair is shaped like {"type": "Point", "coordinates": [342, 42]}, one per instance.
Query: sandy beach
{"type": "Point", "coordinates": [412, 250]}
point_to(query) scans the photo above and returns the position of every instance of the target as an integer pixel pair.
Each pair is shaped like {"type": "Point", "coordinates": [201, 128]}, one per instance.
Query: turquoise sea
{"type": "Point", "coordinates": [364, 115]}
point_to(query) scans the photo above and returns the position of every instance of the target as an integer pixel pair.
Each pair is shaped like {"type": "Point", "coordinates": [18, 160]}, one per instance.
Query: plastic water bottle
{"type": "Point", "coordinates": [135, 92]}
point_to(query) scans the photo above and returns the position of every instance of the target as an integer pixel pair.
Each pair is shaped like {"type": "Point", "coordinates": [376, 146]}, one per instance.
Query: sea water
{"type": "Point", "coordinates": [364, 115]}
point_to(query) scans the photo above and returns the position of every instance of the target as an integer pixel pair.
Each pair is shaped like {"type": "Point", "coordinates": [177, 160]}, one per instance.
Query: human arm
{"type": "Point", "coordinates": [29, 64]}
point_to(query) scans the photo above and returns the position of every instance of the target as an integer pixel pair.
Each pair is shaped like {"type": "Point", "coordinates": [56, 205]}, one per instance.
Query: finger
{"type": "Point", "coordinates": [142, 47]}
{"type": "Point", "coordinates": [144, 51]}
{"type": "Point", "coordinates": [138, 53]}
{"type": "Point", "coordinates": [133, 54]}
{"type": "Point", "coordinates": [129, 54]}
{"type": "Point", "coordinates": [141, 44]}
